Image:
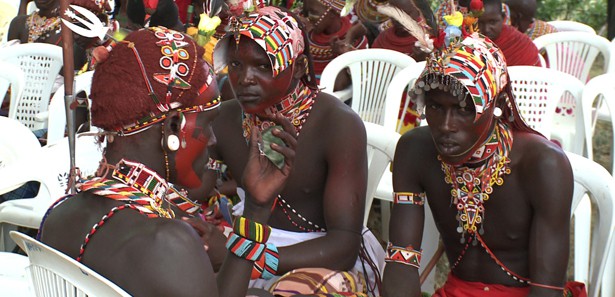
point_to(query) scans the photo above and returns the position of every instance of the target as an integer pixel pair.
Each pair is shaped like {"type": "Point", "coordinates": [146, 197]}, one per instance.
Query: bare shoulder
{"type": "Point", "coordinates": [415, 145]}
{"type": "Point", "coordinates": [537, 155]}
{"type": "Point", "coordinates": [176, 256]}
{"type": "Point", "coordinates": [336, 118]}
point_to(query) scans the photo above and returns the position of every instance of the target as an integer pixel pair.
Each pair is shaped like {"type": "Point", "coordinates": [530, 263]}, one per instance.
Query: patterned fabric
{"type": "Point", "coordinates": [318, 281]}
{"type": "Point", "coordinates": [455, 286]}
{"type": "Point", "coordinates": [475, 65]}
{"type": "Point", "coordinates": [539, 28]}
{"type": "Point", "coordinates": [275, 31]}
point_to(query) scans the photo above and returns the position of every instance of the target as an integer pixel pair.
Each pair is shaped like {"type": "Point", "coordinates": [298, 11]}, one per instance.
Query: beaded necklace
{"type": "Point", "coordinates": [296, 106]}
{"type": "Point", "coordinates": [136, 184]}
{"type": "Point", "coordinates": [40, 27]}
{"type": "Point", "coordinates": [471, 186]}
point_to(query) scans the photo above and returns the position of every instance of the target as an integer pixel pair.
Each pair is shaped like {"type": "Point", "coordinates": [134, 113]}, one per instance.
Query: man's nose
{"type": "Point", "coordinates": [448, 122]}
{"type": "Point", "coordinates": [247, 77]}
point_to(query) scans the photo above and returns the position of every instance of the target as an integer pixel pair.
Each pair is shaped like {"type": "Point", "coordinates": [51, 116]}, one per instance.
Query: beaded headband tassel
{"type": "Point", "coordinates": [461, 61]}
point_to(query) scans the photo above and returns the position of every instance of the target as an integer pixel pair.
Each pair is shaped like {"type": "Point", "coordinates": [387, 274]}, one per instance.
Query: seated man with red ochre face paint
{"type": "Point", "coordinates": [156, 99]}
{"type": "Point", "coordinates": [317, 220]}
{"type": "Point", "coordinates": [500, 193]}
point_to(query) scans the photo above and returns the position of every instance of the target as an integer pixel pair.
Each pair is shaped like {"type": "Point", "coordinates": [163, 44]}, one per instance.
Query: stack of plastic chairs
{"type": "Point", "coordinates": [41, 63]}
{"type": "Point", "coordinates": [12, 79]}
{"type": "Point", "coordinates": [564, 26]}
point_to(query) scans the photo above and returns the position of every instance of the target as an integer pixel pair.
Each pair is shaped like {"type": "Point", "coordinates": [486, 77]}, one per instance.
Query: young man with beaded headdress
{"type": "Point", "coordinates": [317, 219]}
{"type": "Point", "coordinates": [120, 223]}
{"type": "Point", "coordinates": [500, 193]}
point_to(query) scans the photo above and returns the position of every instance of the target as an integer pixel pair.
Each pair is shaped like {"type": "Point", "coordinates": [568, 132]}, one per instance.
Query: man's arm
{"type": "Point", "coordinates": [548, 177]}
{"type": "Point", "coordinates": [344, 201]}
{"type": "Point", "coordinates": [406, 224]}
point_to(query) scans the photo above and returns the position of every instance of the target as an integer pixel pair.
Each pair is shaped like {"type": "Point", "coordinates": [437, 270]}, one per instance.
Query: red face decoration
{"type": "Point", "coordinates": [251, 77]}
{"type": "Point", "coordinates": [190, 161]}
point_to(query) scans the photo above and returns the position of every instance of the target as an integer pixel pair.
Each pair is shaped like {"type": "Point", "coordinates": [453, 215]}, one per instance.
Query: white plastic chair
{"type": "Point", "coordinates": [55, 274]}
{"type": "Point", "coordinates": [594, 263]}
{"type": "Point", "coordinates": [41, 63]}
{"type": "Point", "coordinates": [599, 88]}
{"type": "Point", "coordinates": [14, 279]}
{"type": "Point", "coordinates": [371, 71]}
{"type": "Point", "coordinates": [402, 82]}
{"type": "Point", "coordinates": [537, 92]}
{"type": "Point", "coordinates": [16, 142]}
{"type": "Point", "coordinates": [564, 26]}
{"type": "Point", "coordinates": [56, 116]}
{"type": "Point", "coordinates": [50, 168]}
{"type": "Point", "coordinates": [574, 52]}
{"type": "Point", "coordinates": [11, 76]}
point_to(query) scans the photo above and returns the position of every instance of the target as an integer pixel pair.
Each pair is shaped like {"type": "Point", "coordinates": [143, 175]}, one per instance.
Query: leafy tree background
{"type": "Point", "coordinates": [590, 12]}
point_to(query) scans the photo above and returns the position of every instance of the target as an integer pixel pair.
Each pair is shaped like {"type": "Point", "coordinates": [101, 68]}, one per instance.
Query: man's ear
{"type": "Point", "coordinates": [301, 66]}
{"type": "Point", "coordinates": [172, 126]}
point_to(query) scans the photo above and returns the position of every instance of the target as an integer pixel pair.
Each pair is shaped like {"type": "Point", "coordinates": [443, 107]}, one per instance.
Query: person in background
{"type": "Point", "coordinates": [523, 17]}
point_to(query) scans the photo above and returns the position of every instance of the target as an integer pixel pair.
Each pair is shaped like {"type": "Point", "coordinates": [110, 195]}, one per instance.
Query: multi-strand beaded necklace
{"type": "Point", "coordinates": [472, 185]}
{"type": "Point", "coordinates": [296, 107]}
{"type": "Point", "coordinates": [40, 27]}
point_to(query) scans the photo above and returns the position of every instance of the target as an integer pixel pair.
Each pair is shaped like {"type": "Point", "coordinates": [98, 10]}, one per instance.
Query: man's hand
{"type": "Point", "coordinates": [261, 178]}
{"type": "Point", "coordinates": [213, 240]}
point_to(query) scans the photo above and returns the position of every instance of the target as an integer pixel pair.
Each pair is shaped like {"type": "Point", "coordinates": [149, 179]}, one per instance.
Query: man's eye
{"type": "Point", "coordinates": [264, 66]}
{"type": "Point", "coordinates": [234, 64]}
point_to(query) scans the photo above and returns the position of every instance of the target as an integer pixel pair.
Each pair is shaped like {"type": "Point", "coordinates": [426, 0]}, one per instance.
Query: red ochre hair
{"type": "Point", "coordinates": [120, 95]}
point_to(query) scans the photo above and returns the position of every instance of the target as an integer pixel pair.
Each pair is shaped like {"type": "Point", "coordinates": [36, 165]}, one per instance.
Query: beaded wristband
{"type": "Point", "coordinates": [409, 198]}
{"type": "Point", "coordinates": [244, 248]}
{"type": "Point", "coordinates": [404, 255]}
{"type": "Point", "coordinates": [251, 230]}
{"type": "Point", "coordinates": [266, 266]}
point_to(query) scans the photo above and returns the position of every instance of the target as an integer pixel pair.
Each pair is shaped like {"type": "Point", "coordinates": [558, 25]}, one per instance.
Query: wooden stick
{"type": "Point", "coordinates": [69, 76]}
{"type": "Point", "coordinates": [432, 263]}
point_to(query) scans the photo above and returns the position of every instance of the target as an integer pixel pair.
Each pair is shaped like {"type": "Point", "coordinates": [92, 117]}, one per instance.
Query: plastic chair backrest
{"type": "Point", "coordinates": [41, 63]}
{"type": "Point", "coordinates": [381, 143]}
{"type": "Point", "coordinates": [592, 179]}
{"type": "Point", "coordinates": [400, 85]}
{"type": "Point", "coordinates": [56, 274]}
{"type": "Point", "coordinates": [16, 142]}
{"type": "Point", "coordinates": [537, 91]}
{"type": "Point", "coordinates": [56, 117]}
{"type": "Point", "coordinates": [564, 26]}
{"type": "Point", "coordinates": [371, 71]}
{"type": "Point", "coordinates": [53, 179]}
{"type": "Point", "coordinates": [11, 76]}
{"type": "Point", "coordinates": [574, 52]}
{"type": "Point", "coordinates": [599, 88]}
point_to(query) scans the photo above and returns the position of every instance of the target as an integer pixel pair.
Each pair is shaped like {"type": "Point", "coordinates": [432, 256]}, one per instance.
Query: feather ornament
{"type": "Point", "coordinates": [411, 25]}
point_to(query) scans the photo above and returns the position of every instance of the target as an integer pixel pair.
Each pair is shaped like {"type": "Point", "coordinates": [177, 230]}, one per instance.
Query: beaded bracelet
{"type": "Point", "coordinates": [404, 255]}
{"type": "Point", "coordinates": [266, 266]}
{"type": "Point", "coordinates": [251, 230]}
{"type": "Point", "coordinates": [409, 198]}
{"type": "Point", "coordinates": [245, 248]}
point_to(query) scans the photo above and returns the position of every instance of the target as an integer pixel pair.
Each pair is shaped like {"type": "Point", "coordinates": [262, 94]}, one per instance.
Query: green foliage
{"type": "Point", "coordinates": [590, 12]}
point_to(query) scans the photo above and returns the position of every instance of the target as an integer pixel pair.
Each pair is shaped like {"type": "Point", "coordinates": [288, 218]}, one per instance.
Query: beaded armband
{"type": "Point", "coordinates": [251, 230]}
{"type": "Point", "coordinates": [404, 255]}
{"type": "Point", "coordinates": [244, 248]}
{"type": "Point", "coordinates": [266, 266]}
{"type": "Point", "coordinates": [409, 198]}
{"type": "Point", "coordinates": [215, 165]}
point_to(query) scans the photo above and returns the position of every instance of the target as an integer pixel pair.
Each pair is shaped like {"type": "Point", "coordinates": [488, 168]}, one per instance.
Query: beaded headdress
{"type": "Point", "coordinates": [274, 30]}
{"type": "Point", "coordinates": [461, 61]}
{"type": "Point", "coordinates": [148, 74]}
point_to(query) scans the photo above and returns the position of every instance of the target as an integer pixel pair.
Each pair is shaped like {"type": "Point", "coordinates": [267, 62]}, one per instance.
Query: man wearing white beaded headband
{"type": "Point", "coordinates": [502, 209]}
